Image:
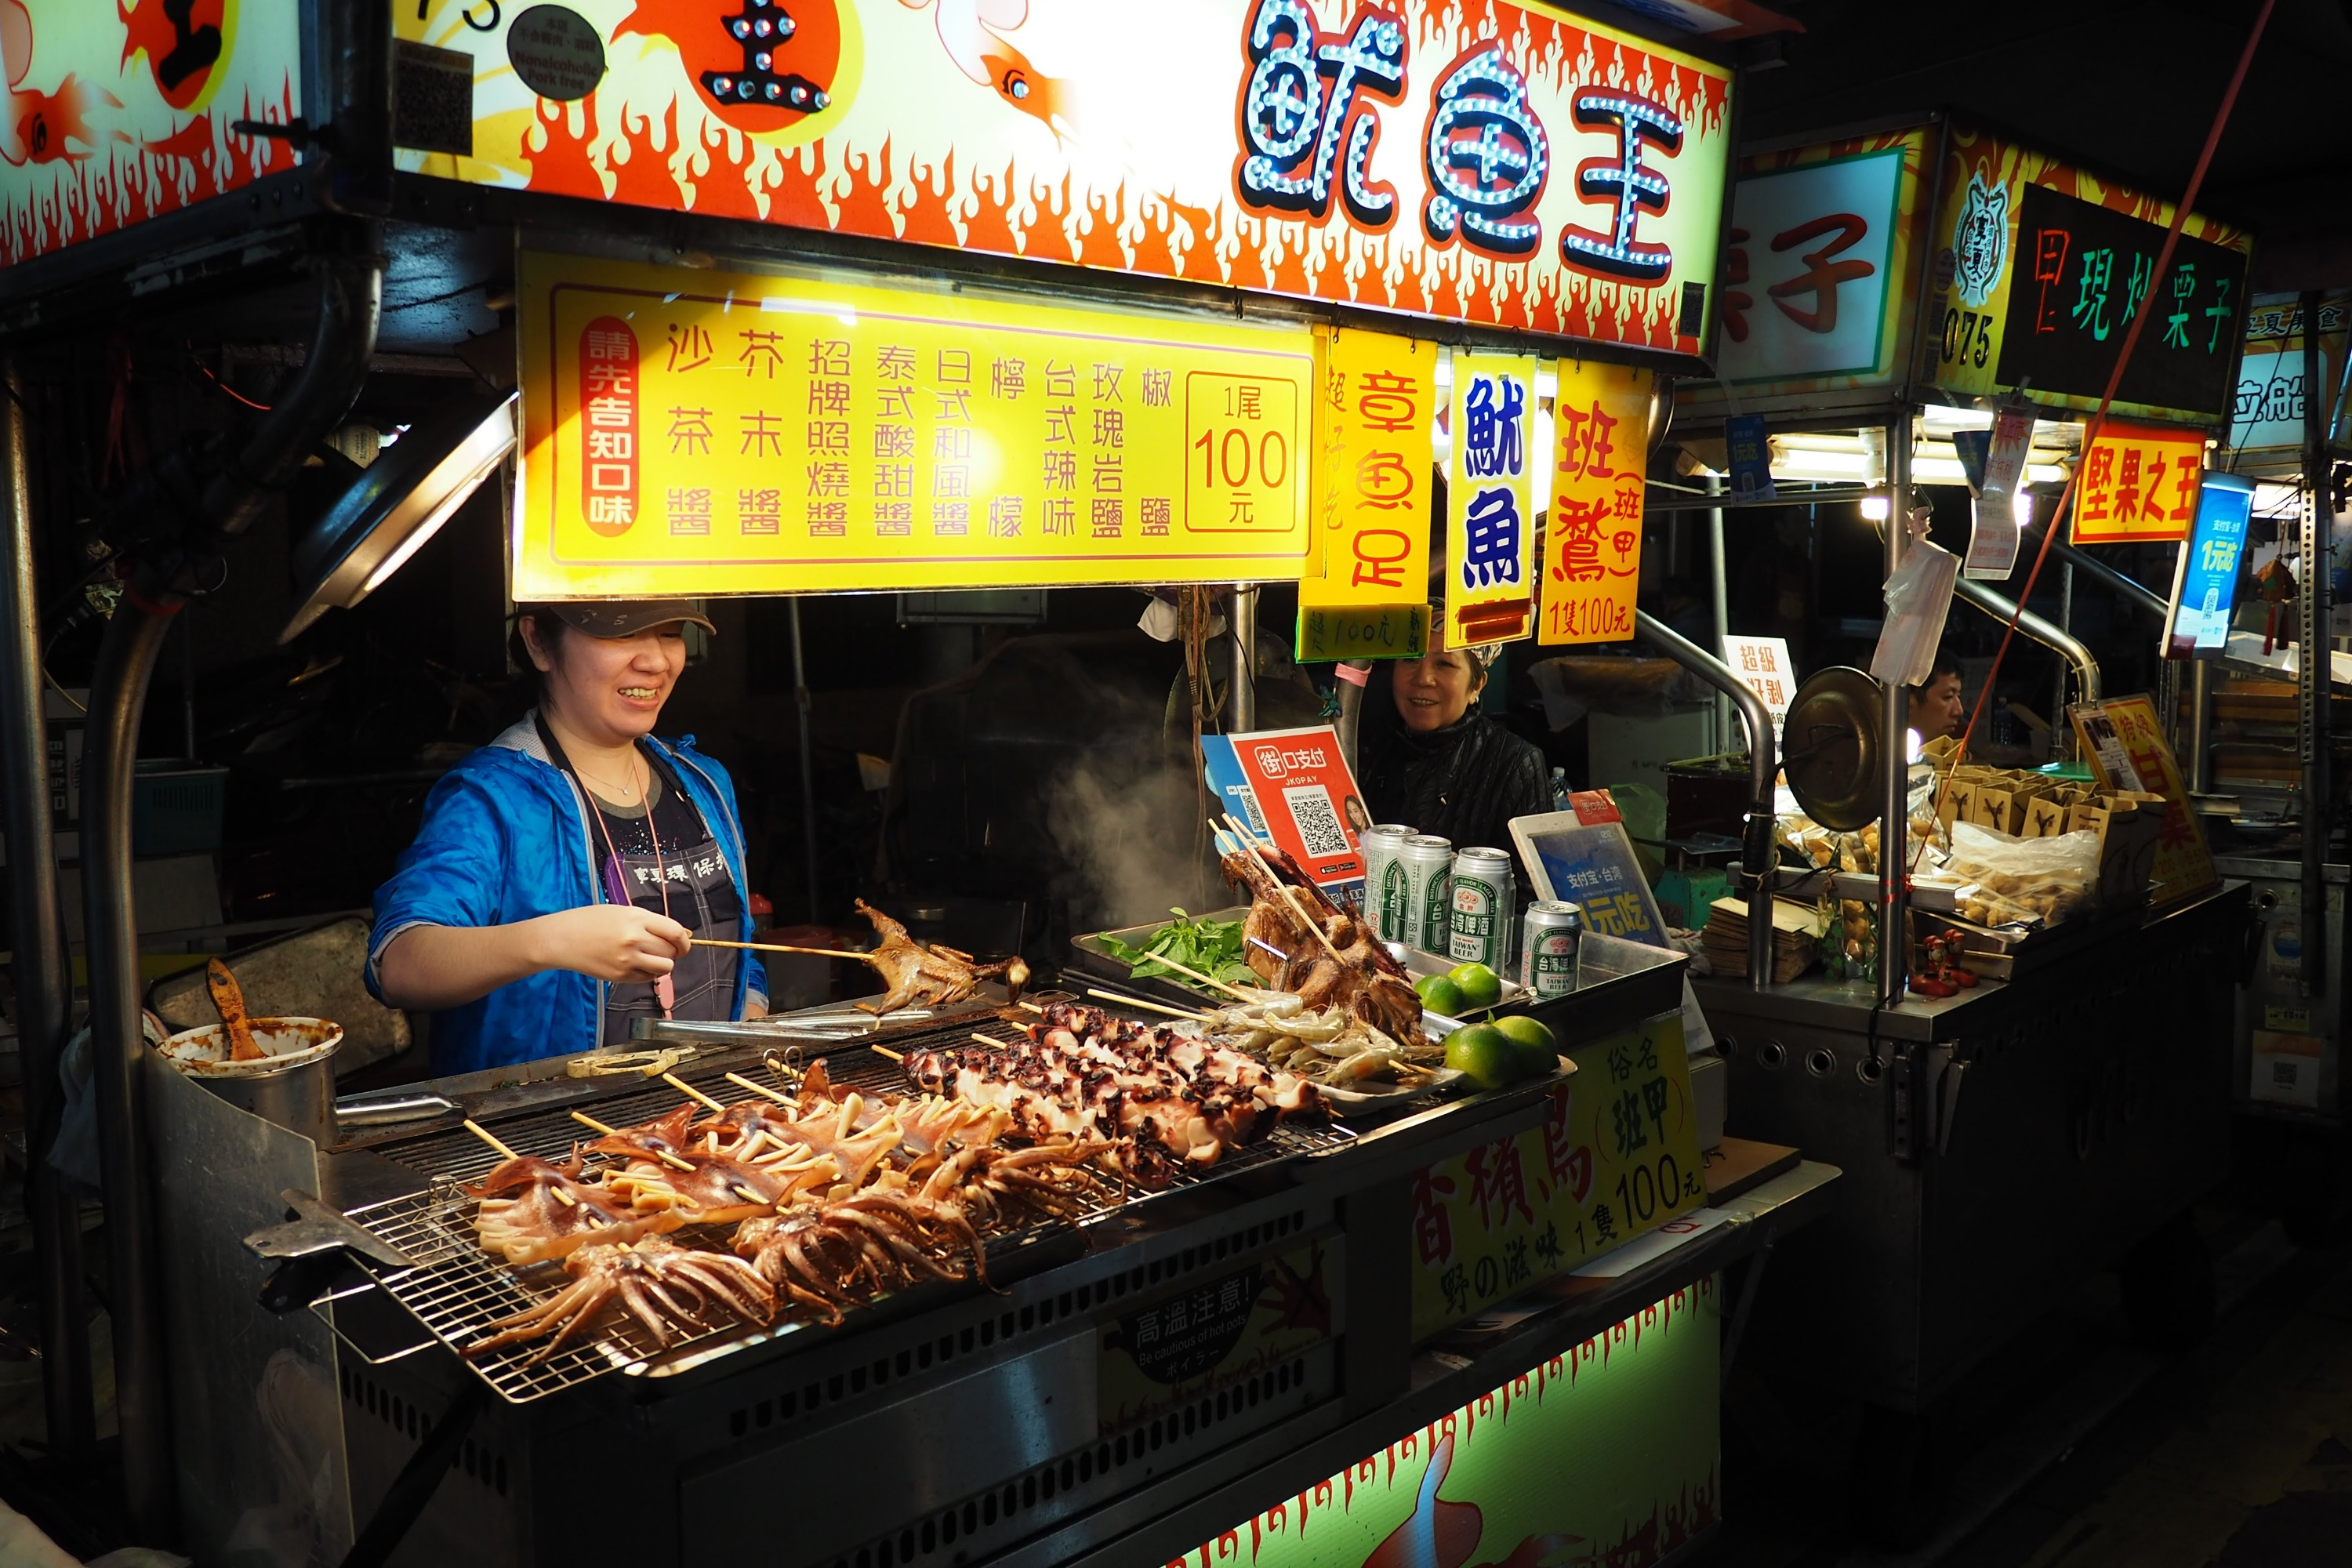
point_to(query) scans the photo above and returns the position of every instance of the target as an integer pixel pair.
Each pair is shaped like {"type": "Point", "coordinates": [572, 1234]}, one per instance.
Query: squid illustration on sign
{"type": "Point", "coordinates": [1442, 1534]}
{"type": "Point", "coordinates": [43, 127]}
{"type": "Point", "coordinates": [184, 42]}
{"type": "Point", "coordinates": [973, 32]}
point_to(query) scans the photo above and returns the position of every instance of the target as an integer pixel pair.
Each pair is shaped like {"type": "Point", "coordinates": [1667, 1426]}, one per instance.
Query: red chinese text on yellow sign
{"type": "Point", "coordinates": [1375, 405]}
{"type": "Point", "coordinates": [1490, 500]}
{"type": "Point", "coordinates": [2184, 862]}
{"type": "Point", "coordinates": [1617, 1156]}
{"type": "Point", "coordinates": [1593, 541]}
{"type": "Point", "coordinates": [724, 433]}
{"type": "Point", "coordinates": [2138, 484]}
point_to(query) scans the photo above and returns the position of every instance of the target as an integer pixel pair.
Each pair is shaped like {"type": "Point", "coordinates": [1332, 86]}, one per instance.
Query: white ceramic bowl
{"type": "Point", "coordinates": [287, 1043]}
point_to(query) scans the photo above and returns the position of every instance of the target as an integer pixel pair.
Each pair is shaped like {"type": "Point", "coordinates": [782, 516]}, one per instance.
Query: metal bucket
{"type": "Point", "coordinates": [294, 1087]}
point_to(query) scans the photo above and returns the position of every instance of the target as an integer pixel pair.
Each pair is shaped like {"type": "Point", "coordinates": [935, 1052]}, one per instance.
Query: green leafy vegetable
{"type": "Point", "coordinates": [1213, 947]}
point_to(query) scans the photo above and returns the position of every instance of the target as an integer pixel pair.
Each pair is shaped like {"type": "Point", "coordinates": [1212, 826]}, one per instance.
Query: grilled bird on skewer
{"type": "Point", "coordinates": [936, 976]}
{"type": "Point", "coordinates": [533, 1210]}
{"type": "Point", "coordinates": [1363, 980]}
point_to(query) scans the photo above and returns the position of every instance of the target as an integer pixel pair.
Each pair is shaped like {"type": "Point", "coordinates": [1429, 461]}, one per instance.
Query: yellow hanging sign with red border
{"type": "Point", "coordinates": [705, 433]}
{"type": "Point", "coordinates": [1376, 404]}
{"type": "Point", "coordinates": [1592, 539]}
{"type": "Point", "coordinates": [2138, 484]}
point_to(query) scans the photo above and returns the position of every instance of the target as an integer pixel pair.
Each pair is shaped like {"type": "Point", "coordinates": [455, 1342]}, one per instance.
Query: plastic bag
{"type": "Point", "coordinates": [1919, 597]}
{"type": "Point", "coordinates": [2015, 882]}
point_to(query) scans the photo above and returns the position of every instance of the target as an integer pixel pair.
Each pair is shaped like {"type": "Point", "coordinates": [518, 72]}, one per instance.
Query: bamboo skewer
{"type": "Point", "coordinates": [886, 1051]}
{"type": "Point", "coordinates": [1289, 894]}
{"type": "Point", "coordinates": [664, 1155]}
{"type": "Point", "coordinates": [779, 1096]}
{"type": "Point", "coordinates": [487, 1136]}
{"type": "Point", "coordinates": [688, 1090]}
{"type": "Point", "coordinates": [1139, 1002]}
{"type": "Point", "coordinates": [1252, 993]}
{"type": "Point", "coordinates": [779, 947]}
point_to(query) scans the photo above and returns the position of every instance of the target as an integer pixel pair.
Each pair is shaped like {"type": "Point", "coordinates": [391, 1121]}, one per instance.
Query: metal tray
{"type": "Point", "coordinates": [1622, 981]}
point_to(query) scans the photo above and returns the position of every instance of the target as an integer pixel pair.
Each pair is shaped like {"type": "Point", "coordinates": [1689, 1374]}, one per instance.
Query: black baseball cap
{"type": "Point", "coordinates": [628, 617]}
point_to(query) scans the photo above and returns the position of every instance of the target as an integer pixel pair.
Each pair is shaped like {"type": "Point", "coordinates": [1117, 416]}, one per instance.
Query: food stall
{"type": "Point", "coordinates": [2051, 1103]}
{"type": "Point", "coordinates": [872, 297]}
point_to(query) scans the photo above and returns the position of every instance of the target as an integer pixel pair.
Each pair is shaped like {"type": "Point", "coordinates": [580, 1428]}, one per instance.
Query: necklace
{"type": "Point", "coordinates": [629, 792]}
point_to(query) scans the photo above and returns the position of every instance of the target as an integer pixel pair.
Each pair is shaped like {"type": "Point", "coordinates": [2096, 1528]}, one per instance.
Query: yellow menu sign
{"type": "Point", "coordinates": [2125, 745]}
{"type": "Point", "coordinates": [1592, 545]}
{"type": "Point", "coordinates": [2138, 484]}
{"type": "Point", "coordinates": [1372, 419]}
{"type": "Point", "coordinates": [699, 432]}
{"type": "Point", "coordinates": [1616, 1157]}
{"type": "Point", "coordinates": [1490, 501]}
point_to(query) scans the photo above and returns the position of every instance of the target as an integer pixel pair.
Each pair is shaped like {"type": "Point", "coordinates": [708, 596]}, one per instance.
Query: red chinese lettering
{"type": "Point", "coordinates": [1822, 276]}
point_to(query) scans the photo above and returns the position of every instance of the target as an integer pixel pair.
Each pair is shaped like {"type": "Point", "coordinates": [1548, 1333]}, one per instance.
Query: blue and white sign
{"type": "Point", "coordinates": [2205, 582]}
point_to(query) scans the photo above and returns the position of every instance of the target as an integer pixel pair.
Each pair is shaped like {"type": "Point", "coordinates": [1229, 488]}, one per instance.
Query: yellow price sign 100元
{"type": "Point", "coordinates": [699, 433]}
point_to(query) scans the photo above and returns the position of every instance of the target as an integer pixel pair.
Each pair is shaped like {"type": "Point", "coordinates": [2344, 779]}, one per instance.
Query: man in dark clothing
{"type": "Point", "coordinates": [1431, 760]}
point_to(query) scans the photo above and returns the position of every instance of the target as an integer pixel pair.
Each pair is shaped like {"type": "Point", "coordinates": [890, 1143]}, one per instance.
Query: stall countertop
{"type": "Point", "coordinates": [1848, 1004]}
{"type": "Point", "coordinates": [1457, 1367]}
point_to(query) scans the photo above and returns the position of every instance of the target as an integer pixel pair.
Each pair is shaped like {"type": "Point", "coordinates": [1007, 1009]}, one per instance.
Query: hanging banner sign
{"type": "Point", "coordinates": [2138, 484]}
{"type": "Point", "coordinates": [1618, 1155]}
{"type": "Point", "coordinates": [119, 111]}
{"type": "Point", "coordinates": [1515, 167]}
{"type": "Point", "coordinates": [1375, 406]}
{"type": "Point", "coordinates": [1490, 501]}
{"type": "Point", "coordinates": [1994, 527]}
{"type": "Point", "coordinates": [700, 433]}
{"type": "Point", "coordinates": [2040, 270]}
{"type": "Point", "coordinates": [1593, 541]}
{"type": "Point", "coordinates": [1764, 666]}
{"type": "Point", "coordinates": [1339, 634]}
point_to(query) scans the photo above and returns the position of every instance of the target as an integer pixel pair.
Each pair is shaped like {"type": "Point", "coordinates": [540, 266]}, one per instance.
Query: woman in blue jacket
{"type": "Point", "coordinates": [561, 871]}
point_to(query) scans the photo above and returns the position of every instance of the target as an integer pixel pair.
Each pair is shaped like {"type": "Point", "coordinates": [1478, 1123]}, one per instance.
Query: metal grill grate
{"type": "Point", "coordinates": [456, 1289]}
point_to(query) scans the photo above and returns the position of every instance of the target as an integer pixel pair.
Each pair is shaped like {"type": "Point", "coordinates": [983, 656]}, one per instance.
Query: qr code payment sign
{"type": "Point", "coordinates": [1318, 824]}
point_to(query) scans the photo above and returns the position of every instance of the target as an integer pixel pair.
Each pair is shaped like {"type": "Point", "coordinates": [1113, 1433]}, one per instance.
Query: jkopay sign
{"type": "Point", "coordinates": [713, 433]}
{"type": "Point", "coordinates": [1473, 161]}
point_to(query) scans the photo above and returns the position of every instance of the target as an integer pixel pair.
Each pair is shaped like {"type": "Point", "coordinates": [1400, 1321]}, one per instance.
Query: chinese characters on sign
{"type": "Point", "coordinates": [1512, 166]}
{"type": "Point", "coordinates": [1490, 500]}
{"type": "Point", "coordinates": [2051, 267]}
{"type": "Point", "coordinates": [770, 434]}
{"type": "Point", "coordinates": [2138, 758]}
{"type": "Point", "coordinates": [1592, 539]}
{"type": "Point", "coordinates": [1617, 1156]}
{"type": "Point", "coordinates": [1374, 408]}
{"type": "Point", "coordinates": [2138, 484]}
{"type": "Point", "coordinates": [2205, 574]}
{"type": "Point", "coordinates": [1762, 666]}
{"type": "Point", "coordinates": [1812, 269]}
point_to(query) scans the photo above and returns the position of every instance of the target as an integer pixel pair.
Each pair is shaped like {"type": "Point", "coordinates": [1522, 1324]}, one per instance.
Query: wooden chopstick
{"type": "Point", "coordinates": [778, 947]}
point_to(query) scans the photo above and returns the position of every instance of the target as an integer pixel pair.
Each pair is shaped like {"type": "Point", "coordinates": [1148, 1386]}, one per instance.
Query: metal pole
{"type": "Point", "coordinates": [44, 985]}
{"type": "Point", "coordinates": [2201, 718]}
{"type": "Point", "coordinates": [808, 763]}
{"type": "Point", "coordinates": [2001, 607]}
{"type": "Point", "coordinates": [2134, 592]}
{"type": "Point", "coordinates": [2059, 728]}
{"type": "Point", "coordinates": [2313, 664]}
{"type": "Point", "coordinates": [1756, 855]}
{"type": "Point", "coordinates": [126, 663]}
{"type": "Point", "coordinates": [188, 687]}
{"type": "Point", "coordinates": [1895, 718]}
{"type": "Point", "coordinates": [1719, 600]}
{"type": "Point", "coordinates": [1240, 712]}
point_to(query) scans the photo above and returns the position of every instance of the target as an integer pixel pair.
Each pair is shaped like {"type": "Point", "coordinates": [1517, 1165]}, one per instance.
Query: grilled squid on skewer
{"type": "Point", "coordinates": [660, 1284]}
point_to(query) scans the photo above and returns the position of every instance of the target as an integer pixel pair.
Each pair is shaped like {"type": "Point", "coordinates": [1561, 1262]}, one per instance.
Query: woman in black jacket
{"type": "Point", "coordinates": [1433, 761]}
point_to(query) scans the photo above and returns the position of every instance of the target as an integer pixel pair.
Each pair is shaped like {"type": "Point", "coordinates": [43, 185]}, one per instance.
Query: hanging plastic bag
{"type": "Point", "coordinates": [1919, 597]}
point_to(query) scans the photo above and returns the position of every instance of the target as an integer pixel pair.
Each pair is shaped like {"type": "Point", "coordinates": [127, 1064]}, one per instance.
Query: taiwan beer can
{"type": "Point", "coordinates": [1484, 893]}
{"type": "Point", "coordinates": [1384, 879]}
{"type": "Point", "coordinates": [1428, 862]}
{"type": "Point", "coordinates": [1551, 938]}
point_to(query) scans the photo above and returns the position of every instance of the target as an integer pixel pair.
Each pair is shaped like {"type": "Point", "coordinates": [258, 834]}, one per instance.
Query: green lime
{"type": "Point", "coordinates": [1481, 986]}
{"type": "Point", "coordinates": [1538, 1046]}
{"type": "Point", "coordinates": [1485, 1052]}
{"type": "Point", "coordinates": [1441, 995]}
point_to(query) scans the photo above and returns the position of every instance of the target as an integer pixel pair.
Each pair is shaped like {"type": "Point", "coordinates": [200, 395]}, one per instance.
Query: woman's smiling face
{"type": "Point", "coordinates": [610, 691]}
{"type": "Point", "coordinates": [1437, 689]}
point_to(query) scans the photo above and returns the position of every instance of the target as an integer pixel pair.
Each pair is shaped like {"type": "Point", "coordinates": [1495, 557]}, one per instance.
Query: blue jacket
{"type": "Point", "coordinates": [505, 839]}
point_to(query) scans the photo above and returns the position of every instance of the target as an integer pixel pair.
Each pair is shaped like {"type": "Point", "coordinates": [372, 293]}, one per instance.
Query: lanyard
{"type": "Point", "coordinates": [664, 985]}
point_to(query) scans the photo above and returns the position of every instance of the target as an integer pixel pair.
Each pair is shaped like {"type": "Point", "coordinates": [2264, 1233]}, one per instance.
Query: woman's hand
{"type": "Point", "coordinates": [611, 941]}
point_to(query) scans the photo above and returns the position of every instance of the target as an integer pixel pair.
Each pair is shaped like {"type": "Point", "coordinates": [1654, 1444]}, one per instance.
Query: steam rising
{"type": "Point", "coordinates": [1123, 820]}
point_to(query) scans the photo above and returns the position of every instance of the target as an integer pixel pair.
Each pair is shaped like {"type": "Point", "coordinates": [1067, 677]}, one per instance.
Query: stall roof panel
{"type": "Point", "coordinates": [119, 110]}
{"type": "Point", "coordinates": [1516, 168]}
